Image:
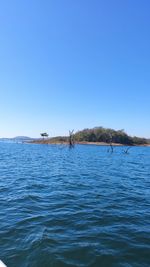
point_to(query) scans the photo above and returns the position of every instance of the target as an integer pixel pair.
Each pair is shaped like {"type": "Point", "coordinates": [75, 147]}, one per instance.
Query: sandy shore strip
{"type": "Point", "coordinates": [50, 142]}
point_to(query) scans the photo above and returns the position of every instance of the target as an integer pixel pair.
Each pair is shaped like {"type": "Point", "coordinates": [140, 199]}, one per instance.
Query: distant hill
{"type": "Point", "coordinates": [22, 138]}
{"type": "Point", "coordinates": [17, 139]}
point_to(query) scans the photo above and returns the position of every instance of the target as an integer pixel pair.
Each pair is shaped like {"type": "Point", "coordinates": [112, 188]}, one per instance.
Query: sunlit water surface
{"type": "Point", "coordinates": [74, 207]}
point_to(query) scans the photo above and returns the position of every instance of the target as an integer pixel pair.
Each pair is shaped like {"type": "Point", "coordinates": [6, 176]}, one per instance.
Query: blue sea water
{"type": "Point", "coordinates": [64, 207]}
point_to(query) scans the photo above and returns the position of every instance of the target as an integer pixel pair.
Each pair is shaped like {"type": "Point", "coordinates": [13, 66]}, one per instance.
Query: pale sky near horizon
{"type": "Point", "coordinates": [74, 64]}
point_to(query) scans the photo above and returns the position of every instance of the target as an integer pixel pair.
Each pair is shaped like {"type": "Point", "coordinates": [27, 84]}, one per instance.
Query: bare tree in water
{"type": "Point", "coordinates": [127, 150]}
{"type": "Point", "coordinates": [110, 143]}
{"type": "Point", "coordinates": [71, 139]}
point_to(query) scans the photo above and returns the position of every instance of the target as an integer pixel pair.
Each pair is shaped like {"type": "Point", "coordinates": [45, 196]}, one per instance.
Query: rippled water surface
{"type": "Point", "coordinates": [77, 207]}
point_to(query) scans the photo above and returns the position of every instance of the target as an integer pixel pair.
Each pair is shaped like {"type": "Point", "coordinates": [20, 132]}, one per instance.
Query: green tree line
{"type": "Point", "coordinates": [100, 134]}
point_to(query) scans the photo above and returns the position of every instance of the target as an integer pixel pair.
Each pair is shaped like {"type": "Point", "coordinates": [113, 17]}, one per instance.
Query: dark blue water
{"type": "Point", "coordinates": [77, 207]}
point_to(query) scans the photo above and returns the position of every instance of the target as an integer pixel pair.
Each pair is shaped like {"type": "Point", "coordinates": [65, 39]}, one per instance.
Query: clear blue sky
{"type": "Point", "coordinates": [74, 64]}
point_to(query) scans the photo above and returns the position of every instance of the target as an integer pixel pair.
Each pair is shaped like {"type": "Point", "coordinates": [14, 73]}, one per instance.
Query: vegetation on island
{"type": "Point", "coordinates": [44, 135]}
{"type": "Point", "coordinates": [106, 135]}
{"type": "Point", "coordinates": [96, 135]}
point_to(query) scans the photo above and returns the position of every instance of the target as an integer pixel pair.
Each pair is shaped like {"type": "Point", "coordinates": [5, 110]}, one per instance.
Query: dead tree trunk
{"type": "Point", "coordinates": [127, 150]}
{"type": "Point", "coordinates": [110, 143]}
{"type": "Point", "coordinates": [112, 149]}
{"type": "Point", "coordinates": [71, 139]}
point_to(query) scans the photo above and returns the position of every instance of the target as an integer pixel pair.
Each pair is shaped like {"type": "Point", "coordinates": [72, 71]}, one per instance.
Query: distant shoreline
{"type": "Point", "coordinates": [49, 142]}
